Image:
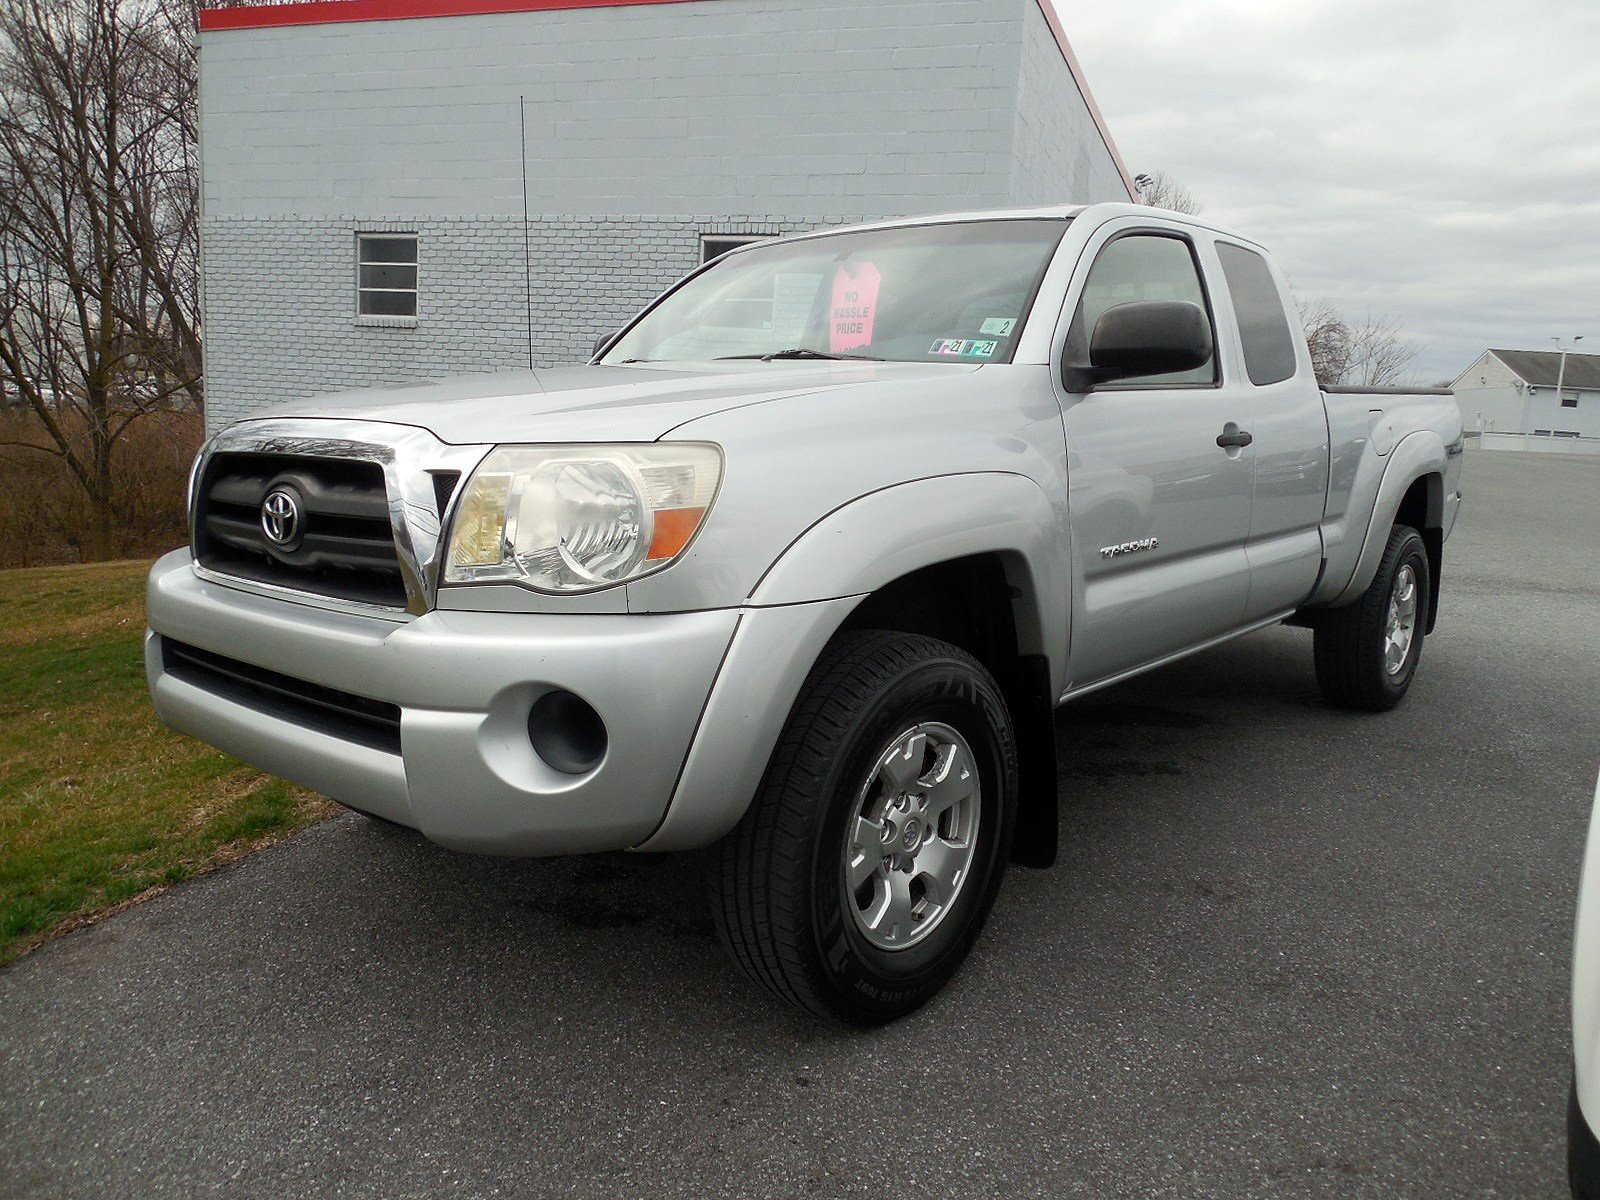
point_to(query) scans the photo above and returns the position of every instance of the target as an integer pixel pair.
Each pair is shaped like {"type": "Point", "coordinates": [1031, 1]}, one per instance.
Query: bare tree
{"type": "Point", "coordinates": [1327, 337]}
{"type": "Point", "coordinates": [1380, 355]}
{"type": "Point", "coordinates": [1371, 353]}
{"type": "Point", "coordinates": [159, 202]}
{"type": "Point", "coordinates": [98, 199]}
{"type": "Point", "coordinates": [1163, 191]}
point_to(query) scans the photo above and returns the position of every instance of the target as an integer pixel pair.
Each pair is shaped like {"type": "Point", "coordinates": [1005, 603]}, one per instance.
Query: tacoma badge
{"type": "Point", "coordinates": [1129, 548]}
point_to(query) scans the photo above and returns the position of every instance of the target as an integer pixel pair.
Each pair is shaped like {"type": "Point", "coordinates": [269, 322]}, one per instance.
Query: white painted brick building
{"type": "Point", "coordinates": [1514, 393]}
{"type": "Point", "coordinates": [560, 162]}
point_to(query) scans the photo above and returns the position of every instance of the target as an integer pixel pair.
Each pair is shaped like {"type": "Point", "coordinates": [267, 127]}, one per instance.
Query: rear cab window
{"type": "Point", "coordinates": [1269, 353]}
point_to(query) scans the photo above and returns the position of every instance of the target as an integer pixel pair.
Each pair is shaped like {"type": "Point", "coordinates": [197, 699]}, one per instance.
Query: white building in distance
{"type": "Point", "coordinates": [403, 189]}
{"type": "Point", "coordinates": [1513, 392]}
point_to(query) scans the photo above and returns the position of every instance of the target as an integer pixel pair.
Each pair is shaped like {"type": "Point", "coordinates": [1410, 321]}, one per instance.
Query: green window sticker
{"type": "Point", "coordinates": [999, 326]}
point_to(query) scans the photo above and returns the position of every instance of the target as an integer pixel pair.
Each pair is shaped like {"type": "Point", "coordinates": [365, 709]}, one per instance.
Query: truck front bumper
{"type": "Point", "coordinates": [465, 773]}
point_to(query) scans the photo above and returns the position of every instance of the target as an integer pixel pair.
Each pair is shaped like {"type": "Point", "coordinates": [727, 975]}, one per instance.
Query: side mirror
{"type": "Point", "coordinates": [1150, 337]}
{"type": "Point", "coordinates": [604, 340]}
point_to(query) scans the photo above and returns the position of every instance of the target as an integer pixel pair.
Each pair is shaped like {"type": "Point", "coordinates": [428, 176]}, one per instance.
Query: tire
{"type": "Point", "coordinates": [1583, 1152]}
{"type": "Point", "coordinates": [1355, 667]}
{"type": "Point", "coordinates": [878, 707]}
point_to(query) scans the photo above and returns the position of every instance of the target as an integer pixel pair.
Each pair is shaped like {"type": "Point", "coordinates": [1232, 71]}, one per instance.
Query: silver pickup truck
{"type": "Point", "coordinates": [799, 566]}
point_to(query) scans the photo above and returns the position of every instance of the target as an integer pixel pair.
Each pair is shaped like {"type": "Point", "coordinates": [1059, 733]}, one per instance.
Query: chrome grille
{"type": "Point", "coordinates": [368, 501]}
{"type": "Point", "coordinates": [343, 547]}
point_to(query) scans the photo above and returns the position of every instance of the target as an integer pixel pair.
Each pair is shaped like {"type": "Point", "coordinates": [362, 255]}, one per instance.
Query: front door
{"type": "Point", "coordinates": [1160, 511]}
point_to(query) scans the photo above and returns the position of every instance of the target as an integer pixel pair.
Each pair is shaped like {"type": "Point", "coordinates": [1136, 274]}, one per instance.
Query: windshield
{"type": "Point", "coordinates": [924, 293]}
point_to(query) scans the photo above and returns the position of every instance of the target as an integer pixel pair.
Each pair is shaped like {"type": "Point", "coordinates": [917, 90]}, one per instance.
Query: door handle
{"type": "Point", "coordinates": [1234, 438]}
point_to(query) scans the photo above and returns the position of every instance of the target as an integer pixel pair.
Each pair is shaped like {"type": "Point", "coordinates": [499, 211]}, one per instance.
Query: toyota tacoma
{"type": "Point", "coordinates": [799, 566]}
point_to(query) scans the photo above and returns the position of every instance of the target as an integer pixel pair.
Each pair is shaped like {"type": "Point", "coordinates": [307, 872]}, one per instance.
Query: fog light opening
{"type": "Point", "coordinates": [567, 733]}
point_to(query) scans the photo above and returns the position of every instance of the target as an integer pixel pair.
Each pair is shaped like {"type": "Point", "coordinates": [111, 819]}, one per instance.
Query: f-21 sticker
{"type": "Point", "coordinates": [956, 348]}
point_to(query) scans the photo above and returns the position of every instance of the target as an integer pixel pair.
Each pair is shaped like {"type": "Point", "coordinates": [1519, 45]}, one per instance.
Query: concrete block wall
{"type": "Point", "coordinates": [280, 304]}
{"type": "Point", "coordinates": [1059, 156]}
{"type": "Point", "coordinates": [640, 128]}
{"type": "Point", "coordinates": [720, 106]}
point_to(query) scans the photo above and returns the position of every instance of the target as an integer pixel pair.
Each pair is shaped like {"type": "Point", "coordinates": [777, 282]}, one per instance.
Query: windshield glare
{"type": "Point", "coordinates": [928, 293]}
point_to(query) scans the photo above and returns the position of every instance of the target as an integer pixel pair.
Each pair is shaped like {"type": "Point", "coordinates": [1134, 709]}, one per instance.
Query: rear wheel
{"type": "Point", "coordinates": [1367, 652]}
{"type": "Point", "coordinates": [864, 869]}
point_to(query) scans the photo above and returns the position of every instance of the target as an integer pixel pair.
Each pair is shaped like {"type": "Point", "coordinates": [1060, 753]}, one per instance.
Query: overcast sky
{"type": "Point", "coordinates": [1435, 161]}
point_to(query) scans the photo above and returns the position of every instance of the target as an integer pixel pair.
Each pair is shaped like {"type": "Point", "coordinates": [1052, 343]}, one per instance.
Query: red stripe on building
{"type": "Point", "coordinates": [332, 12]}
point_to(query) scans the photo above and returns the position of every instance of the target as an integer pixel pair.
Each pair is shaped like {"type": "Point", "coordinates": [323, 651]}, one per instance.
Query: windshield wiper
{"type": "Point", "coordinates": [798, 354]}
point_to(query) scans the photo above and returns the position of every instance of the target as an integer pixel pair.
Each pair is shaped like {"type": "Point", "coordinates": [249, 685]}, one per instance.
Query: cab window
{"type": "Point", "coordinates": [1133, 268]}
{"type": "Point", "coordinates": [1263, 326]}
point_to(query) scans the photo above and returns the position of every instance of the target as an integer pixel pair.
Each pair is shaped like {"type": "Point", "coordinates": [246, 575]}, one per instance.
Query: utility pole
{"type": "Point", "coordinates": [1561, 371]}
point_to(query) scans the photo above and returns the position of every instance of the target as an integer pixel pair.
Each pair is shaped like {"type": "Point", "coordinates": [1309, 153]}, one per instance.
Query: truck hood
{"type": "Point", "coordinates": [596, 404]}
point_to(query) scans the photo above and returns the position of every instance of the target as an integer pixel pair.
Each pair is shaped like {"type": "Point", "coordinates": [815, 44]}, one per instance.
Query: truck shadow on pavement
{"type": "Point", "coordinates": [631, 919]}
{"type": "Point", "coordinates": [357, 993]}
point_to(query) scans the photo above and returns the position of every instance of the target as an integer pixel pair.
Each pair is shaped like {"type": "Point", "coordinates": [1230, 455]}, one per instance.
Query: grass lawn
{"type": "Point", "coordinates": [99, 805]}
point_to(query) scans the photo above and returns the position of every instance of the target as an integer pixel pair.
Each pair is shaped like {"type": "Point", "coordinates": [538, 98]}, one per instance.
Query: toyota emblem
{"type": "Point", "coordinates": [280, 517]}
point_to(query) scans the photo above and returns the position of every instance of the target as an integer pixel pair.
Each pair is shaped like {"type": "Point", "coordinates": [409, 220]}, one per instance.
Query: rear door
{"type": "Point", "coordinates": [1290, 429]}
{"type": "Point", "coordinates": [1160, 512]}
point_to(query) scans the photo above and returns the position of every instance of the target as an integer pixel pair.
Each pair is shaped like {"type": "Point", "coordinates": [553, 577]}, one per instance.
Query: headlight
{"type": "Point", "coordinates": [577, 518]}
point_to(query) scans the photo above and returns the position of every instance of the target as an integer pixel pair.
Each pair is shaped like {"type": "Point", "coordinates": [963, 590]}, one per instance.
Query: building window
{"type": "Point", "coordinates": [386, 274]}
{"type": "Point", "coordinates": [716, 245]}
{"type": "Point", "coordinates": [1569, 402]}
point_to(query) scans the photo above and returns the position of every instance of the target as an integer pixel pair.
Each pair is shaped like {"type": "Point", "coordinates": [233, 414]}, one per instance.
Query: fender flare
{"type": "Point", "coordinates": [809, 592]}
{"type": "Point", "coordinates": [1417, 455]}
{"type": "Point", "coordinates": [882, 536]}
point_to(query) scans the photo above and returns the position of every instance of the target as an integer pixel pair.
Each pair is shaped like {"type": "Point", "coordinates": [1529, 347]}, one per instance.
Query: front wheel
{"type": "Point", "coordinates": [864, 869]}
{"type": "Point", "coordinates": [1367, 652]}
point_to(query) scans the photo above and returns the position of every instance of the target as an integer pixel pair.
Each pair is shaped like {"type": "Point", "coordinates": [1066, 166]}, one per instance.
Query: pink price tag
{"type": "Point", "coordinates": [855, 307]}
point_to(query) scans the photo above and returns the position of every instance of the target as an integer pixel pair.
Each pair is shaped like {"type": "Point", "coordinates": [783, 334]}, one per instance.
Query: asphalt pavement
{"type": "Point", "coordinates": [1287, 951]}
